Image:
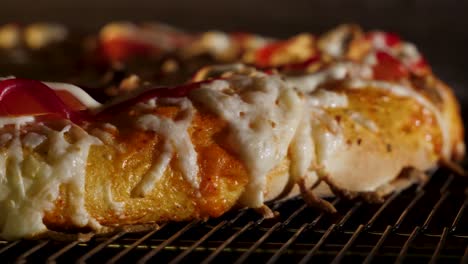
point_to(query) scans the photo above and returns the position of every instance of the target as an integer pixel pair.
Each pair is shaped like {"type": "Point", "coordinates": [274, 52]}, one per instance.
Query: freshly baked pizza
{"type": "Point", "coordinates": [247, 121]}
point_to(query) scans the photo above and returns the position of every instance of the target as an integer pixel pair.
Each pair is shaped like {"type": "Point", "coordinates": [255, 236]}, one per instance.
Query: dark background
{"type": "Point", "coordinates": [439, 28]}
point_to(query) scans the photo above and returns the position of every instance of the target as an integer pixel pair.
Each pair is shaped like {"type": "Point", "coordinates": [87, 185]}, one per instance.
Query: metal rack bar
{"type": "Point", "coordinates": [459, 215]}
{"type": "Point", "coordinates": [440, 246]}
{"type": "Point", "coordinates": [350, 242]}
{"type": "Point", "coordinates": [218, 250]}
{"type": "Point", "coordinates": [99, 247]}
{"type": "Point", "coordinates": [388, 201]}
{"type": "Point", "coordinates": [22, 258]}
{"type": "Point", "coordinates": [410, 206]}
{"type": "Point", "coordinates": [53, 258]}
{"type": "Point", "coordinates": [197, 243]}
{"type": "Point", "coordinates": [168, 241]}
{"type": "Point", "coordinates": [406, 246]}
{"type": "Point", "coordinates": [311, 252]}
{"type": "Point", "coordinates": [286, 245]}
{"type": "Point", "coordinates": [441, 200]}
{"type": "Point", "coordinates": [246, 254]}
{"type": "Point", "coordinates": [133, 245]}
{"type": "Point", "coordinates": [377, 246]}
{"type": "Point", "coordinates": [348, 215]}
{"type": "Point", "coordinates": [10, 245]}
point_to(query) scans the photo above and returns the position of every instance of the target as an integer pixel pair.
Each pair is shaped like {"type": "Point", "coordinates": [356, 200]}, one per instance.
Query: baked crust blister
{"type": "Point", "coordinates": [354, 114]}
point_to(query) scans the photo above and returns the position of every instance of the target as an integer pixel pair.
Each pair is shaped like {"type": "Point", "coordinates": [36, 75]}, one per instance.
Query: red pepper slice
{"type": "Point", "coordinates": [119, 49]}
{"type": "Point", "coordinates": [29, 97]}
{"type": "Point", "coordinates": [71, 101]}
{"type": "Point", "coordinates": [388, 67]}
{"type": "Point", "coordinates": [160, 92]}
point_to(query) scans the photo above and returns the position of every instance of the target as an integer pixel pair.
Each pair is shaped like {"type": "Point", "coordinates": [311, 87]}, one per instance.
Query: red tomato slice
{"type": "Point", "coordinates": [29, 97]}
{"type": "Point", "coordinates": [388, 67]}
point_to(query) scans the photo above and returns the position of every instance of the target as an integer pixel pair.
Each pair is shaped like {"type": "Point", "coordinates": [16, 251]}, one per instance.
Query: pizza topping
{"type": "Point", "coordinates": [177, 143]}
{"type": "Point", "coordinates": [17, 121]}
{"type": "Point", "coordinates": [73, 96]}
{"type": "Point", "coordinates": [310, 82]}
{"type": "Point", "coordinates": [263, 113]}
{"type": "Point", "coordinates": [159, 92]}
{"type": "Point", "coordinates": [32, 140]}
{"type": "Point", "coordinates": [302, 149]}
{"type": "Point", "coordinates": [327, 99]}
{"type": "Point", "coordinates": [388, 67]}
{"type": "Point", "coordinates": [28, 97]}
{"type": "Point", "coordinates": [118, 49]}
{"type": "Point", "coordinates": [122, 41]}
{"type": "Point", "coordinates": [419, 67]}
{"type": "Point", "coordinates": [295, 50]}
{"type": "Point", "coordinates": [413, 59]}
{"type": "Point", "coordinates": [263, 57]}
{"type": "Point", "coordinates": [335, 43]}
{"type": "Point", "coordinates": [30, 185]}
{"type": "Point", "coordinates": [383, 40]}
{"type": "Point", "coordinates": [363, 121]}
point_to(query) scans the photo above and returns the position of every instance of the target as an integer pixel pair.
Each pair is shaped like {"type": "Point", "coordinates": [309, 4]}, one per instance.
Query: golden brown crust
{"type": "Point", "coordinates": [223, 178]}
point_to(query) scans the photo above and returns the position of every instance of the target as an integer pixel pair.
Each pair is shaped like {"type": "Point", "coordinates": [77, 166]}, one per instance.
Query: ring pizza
{"type": "Point", "coordinates": [349, 113]}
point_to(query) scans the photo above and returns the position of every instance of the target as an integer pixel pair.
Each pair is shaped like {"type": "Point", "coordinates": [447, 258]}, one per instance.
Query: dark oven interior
{"type": "Point", "coordinates": [422, 224]}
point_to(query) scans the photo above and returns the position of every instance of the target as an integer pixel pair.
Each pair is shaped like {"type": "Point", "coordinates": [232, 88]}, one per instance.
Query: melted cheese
{"type": "Point", "coordinates": [361, 120]}
{"type": "Point", "coordinates": [328, 99]}
{"type": "Point", "coordinates": [263, 113]}
{"type": "Point", "coordinates": [115, 206]}
{"type": "Point", "coordinates": [32, 140]}
{"type": "Point", "coordinates": [327, 134]}
{"type": "Point", "coordinates": [302, 149]}
{"type": "Point", "coordinates": [176, 139]}
{"type": "Point", "coordinates": [17, 121]}
{"type": "Point", "coordinates": [30, 184]}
